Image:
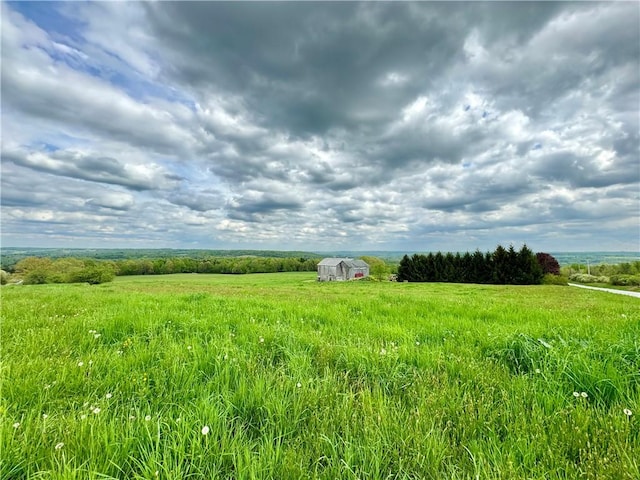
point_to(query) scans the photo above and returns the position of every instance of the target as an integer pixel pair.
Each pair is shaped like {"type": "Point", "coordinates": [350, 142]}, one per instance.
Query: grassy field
{"type": "Point", "coordinates": [278, 376]}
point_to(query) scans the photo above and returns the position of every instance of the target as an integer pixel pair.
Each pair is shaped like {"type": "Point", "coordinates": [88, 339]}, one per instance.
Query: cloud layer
{"type": "Point", "coordinates": [320, 126]}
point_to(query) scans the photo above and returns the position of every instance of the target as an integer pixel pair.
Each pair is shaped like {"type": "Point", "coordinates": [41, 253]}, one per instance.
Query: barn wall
{"type": "Point", "coordinates": [327, 272]}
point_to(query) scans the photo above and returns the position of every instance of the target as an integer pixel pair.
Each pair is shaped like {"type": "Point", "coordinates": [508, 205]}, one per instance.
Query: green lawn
{"type": "Point", "coordinates": [298, 379]}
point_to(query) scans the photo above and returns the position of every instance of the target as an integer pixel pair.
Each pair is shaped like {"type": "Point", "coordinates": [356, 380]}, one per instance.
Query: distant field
{"type": "Point", "coordinates": [277, 376]}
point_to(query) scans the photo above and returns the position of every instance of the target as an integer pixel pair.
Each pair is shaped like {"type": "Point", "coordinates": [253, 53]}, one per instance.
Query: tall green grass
{"type": "Point", "coordinates": [298, 379]}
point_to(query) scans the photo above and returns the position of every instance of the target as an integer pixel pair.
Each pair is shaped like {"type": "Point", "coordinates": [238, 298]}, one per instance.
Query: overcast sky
{"type": "Point", "coordinates": [321, 126]}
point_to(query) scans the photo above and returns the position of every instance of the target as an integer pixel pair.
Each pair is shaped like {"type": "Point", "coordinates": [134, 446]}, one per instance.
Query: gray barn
{"type": "Point", "coordinates": [339, 269]}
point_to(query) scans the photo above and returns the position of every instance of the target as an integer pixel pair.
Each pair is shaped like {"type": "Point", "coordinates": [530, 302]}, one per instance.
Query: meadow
{"type": "Point", "coordinates": [276, 376]}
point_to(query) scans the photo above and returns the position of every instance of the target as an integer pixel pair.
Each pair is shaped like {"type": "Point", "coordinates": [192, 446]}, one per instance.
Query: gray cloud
{"type": "Point", "coordinates": [86, 167]}
{"type": "Point", "coordinates": [322, 125]}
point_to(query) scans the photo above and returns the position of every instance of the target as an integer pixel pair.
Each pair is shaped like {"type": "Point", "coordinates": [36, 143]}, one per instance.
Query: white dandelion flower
{"type": "Point", "coordinates": [59, 445]}
{"type": "Point", "coordinates": [96, 410]}
{"type": "Point", "coordinates": [383, 351]}
{"type": "Point", "coordinates": [205, 430]}
{"type": "Point", "coordinates": [261, 340]}
{"type": "Point", "coordinates": [83, 416]}
{"type": "Point", "coordinates": [147, 418]}
{"type": "Point", "coordinates": [627, 412]}
{"type": "Point", "coordinates": [97, 335]}
{"type": "Point", "coordinates": [584, 395]}
{"type": "Point", "coordinates": [298, 385]}
{"type": "Point", "coordinates": [80, 364]}
{"type": "Point", "coordinates": [45, 416]}
{"type": "Point", "coordinates": [16, 425]}
{"type": "Point", "coordinates": [108, 395]}
{"type": "Point", "coordinates": [576, 394]}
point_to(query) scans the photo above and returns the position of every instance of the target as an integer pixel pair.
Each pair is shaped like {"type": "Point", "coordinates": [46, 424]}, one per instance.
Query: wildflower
{"type": "Point", "coordinates": [537, 370]}
{"type": "Point", "coordinates": [16, 425]}
{"type": "Point", "coordinates": [584, 395]}
{"type": "Point", "coordinates": [59, 446]}
{"type": "Point", "coordinates": [383, 351]}
{"type": "Point", "coordinates": [147, 418]}
{"type": "Point", "coordinates": [119, 352]}
{"type": "Point", "coordinates": [47, 387]}
{"type": "Point", "coordinates": [205, 430]}
{"type": "Point", "coordinates": [299, 385]}
{"type": "Point", "coordinates": [97, 335]}
{"type": "Point", "coordinates": [45, 416]}
{"type": "Point", "coordinates": [132, 417]}
{"type": "Point", "coordinates": [417, 343]}
{"type": "Point", "coordinates": [576, 394]}
{"type": "Point", "coordinates": [189, 347]}
{"type": "Point", "coordinates": [92, 331]}
{"type": "Point", "coordinates": [626, 411]}
{"type": "Point", "coordinates": [96, 410]}
{"type": "Point", "coordinates": [261, 340]}
{"type": "Point", "coordinates": [90, 362]}
{"type": "Point", "coordinates": [80, 364]}
{"type": "Point", "coordinates": [83, 416]}
{"type": "Point", "coordinates": [108, 395]}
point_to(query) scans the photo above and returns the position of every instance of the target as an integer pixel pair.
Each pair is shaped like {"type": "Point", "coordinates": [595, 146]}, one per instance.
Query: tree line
{"type": "Point", "coordinates": [233, 265]}
{"type": "Point", "coordinates": [502, 266]}
{"type": "Point", "coordinates": [39, 270]}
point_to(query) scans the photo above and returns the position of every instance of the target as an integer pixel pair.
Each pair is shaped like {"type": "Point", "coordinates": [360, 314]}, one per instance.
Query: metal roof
{"type": "Point", "coordinates": [359, 263]}
{"type": "Point", "coordinates": [333, 262]}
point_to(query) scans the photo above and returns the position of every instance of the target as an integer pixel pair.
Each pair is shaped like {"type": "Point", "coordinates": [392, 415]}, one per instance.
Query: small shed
{"type": "Point", "coordinates": [340, 269]}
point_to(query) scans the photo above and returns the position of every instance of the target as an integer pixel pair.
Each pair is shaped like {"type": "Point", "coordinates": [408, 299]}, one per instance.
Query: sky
{"type": "Point", "coordinates": [321, 126]}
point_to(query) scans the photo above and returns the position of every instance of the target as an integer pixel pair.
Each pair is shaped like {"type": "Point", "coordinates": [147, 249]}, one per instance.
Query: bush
{"type": "Point", "coordinates": [586, 278]}
{"type": "Point", "coordinates": [4, 277]}
{"type": "Point", "coordinates": [93, 274]}
{"type": "Point", "coordinates": [626, 280]}
{"type": "Point", "coordinates": [35, 277]}
{"type": "Point", "coordinates": [551, 279]}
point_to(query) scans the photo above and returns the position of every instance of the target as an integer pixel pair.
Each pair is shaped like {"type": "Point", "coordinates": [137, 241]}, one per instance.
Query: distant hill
{"type": "Point", "coordinates": [9, 256]}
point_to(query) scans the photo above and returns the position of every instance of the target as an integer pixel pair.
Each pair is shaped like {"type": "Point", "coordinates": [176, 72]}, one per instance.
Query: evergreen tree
{"type": "Point", "coordinates": [405, 269]}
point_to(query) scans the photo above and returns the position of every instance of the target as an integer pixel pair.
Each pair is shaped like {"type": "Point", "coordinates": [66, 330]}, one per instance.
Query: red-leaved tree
{"type": "Point", "coordinates": [548, 263]}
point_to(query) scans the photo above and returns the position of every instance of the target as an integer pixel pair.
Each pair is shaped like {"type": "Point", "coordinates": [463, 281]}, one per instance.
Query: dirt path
{"type": "Point", "coordinates": [610, 290]}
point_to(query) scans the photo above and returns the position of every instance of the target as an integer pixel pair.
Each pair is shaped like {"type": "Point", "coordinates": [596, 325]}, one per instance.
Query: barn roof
{"type": "Point", "coordinates": [332, 262]}
{"type": "Point", "coordinates": [359, 263]}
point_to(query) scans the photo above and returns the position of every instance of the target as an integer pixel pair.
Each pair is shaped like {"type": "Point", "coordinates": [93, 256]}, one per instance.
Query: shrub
{"type": "Point", "coordinates": [35, 277]}
{"type": "Point", "coordinates": [586, 278]}
{"type": "Point", "coordinates": [626, 280]}
{"type": "Point", "coordinates": [93, 274]}
{"type": "Point", "coordinates": [551, 279]}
